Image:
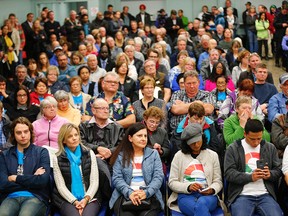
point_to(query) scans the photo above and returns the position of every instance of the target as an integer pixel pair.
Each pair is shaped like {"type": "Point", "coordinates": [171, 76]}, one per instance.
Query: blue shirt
{"type": "Point", "coordinates": [277, 106]}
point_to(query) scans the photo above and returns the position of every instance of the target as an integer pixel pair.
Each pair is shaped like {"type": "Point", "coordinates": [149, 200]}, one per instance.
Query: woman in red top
{"type": "Point", "coordinates": [40, 91]}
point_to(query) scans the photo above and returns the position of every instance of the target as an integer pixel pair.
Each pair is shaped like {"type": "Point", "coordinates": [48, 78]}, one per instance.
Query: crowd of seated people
{"type": "Point", "coordinates": [119, 113]}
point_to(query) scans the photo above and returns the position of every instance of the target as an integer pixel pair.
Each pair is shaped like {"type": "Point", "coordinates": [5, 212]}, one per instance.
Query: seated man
{"type": "Point", "coordinates": [24, 173]}
{"type": "Point", "coordinates": [277, 102]}
{"type": "Point", "coordinates": [4, 128]}
{"type": "Point", "coordinates": [101, 134]}
{"type": "Point", "coordinates": [252, 169]}
{"type": "Point", "coordinates": [120, 108]}
{"type": "Point", "coordinates": [181, 100]}
{"type": "Point", "coordinates": [279, 132]}
{"type": "Point", "coordinates": [66, 71]}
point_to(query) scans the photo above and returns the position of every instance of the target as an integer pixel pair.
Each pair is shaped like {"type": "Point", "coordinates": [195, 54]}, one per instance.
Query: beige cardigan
{"type": "Point", "coordinates": [212, 171]}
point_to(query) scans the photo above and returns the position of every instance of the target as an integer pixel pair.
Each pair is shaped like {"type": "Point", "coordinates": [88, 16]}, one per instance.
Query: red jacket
{"type": "Point", "coordinates": [34, 98]}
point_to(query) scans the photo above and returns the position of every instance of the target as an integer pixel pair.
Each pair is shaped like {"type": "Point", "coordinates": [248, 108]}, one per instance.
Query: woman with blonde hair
{"type": "Point", "coordinates": [76, 175]}
{"type": "Point", "coordinates": [39, 39]}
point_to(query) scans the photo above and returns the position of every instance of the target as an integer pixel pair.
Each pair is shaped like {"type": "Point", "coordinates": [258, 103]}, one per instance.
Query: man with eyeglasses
{"type": "Point", "coordinates": [101, 134]}
{"type": "Point", "coordinates": [120, 107]}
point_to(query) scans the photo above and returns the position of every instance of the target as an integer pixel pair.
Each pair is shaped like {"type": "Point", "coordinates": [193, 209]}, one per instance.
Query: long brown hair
{"type": "Point", "coordinates": [126, 146]}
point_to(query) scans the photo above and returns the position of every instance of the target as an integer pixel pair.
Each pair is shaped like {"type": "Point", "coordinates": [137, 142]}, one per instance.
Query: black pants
{"type": "Point", "coordinates": [153, 211]}
{"type": "Point", "coordinates": [260, 43]}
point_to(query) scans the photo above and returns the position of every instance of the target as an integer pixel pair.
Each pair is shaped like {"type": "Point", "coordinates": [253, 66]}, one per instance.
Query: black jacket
{"type": "Point", "coordinates": [92, 136]}
{"type": "Point", "coordinates": [64, 166]}
{"type": "Point", "coordinates": [147, 19]}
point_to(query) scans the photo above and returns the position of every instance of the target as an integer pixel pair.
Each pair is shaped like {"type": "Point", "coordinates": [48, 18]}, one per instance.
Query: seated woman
{"type": "Point", "coordinates": [76, 175]}
{"type": "Point", "coordinates": [137, 175]}
{"type": "Point", "coordinates": [132, 71]}
{"type": "Point", "coordinates": [65, 110]}
{"type": "Point", "coordinates": [243, 66]}
{"type": "Point", "coordinates": [43, 63]}
{"type": "Point", "coordinates": [53, 84]}
{"type": "Point", "coordinates": [46, 129]}
{"type": "Point", "coordinates": [158, 136]}
{"type": "Point", "coordinates": [234, 125]}
{"type": "Point", "coordinates": [219, 94]}
{"type": "Point", "coordinates": [126, 84]}
{"type": "Point", "coordinates": [77, 98]}
{"type": "Point", "coordinates": [88, 86]}
{"type": "Point", "coordinates": [147, 87]}
{"type": "Point", "coordinates": [246, 88]}
{"type": "Point", "coordinates": [195, 175]}
{"type": "Point", "coordinates": [32, 70]}
{"type": "Point", "coordinates": [40, 91]}
{"type": "Point", "coordinates": [22, 106]}
{"type": "Point", "coordinates": [218, 69]}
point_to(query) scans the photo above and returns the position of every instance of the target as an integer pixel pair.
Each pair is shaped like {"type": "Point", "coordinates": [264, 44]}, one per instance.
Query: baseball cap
{"type": "Point", "coordinates": [57, 48]}
{"type": "Point", "coordinates": [283, 78]}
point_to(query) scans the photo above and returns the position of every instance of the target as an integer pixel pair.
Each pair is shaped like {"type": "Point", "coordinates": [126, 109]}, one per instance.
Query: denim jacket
{"type": "Point", "coordinates": [152, 172]}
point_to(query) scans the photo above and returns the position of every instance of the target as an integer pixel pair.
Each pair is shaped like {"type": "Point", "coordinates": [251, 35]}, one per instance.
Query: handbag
{"type": "Point", "coordinates": [127, 205]}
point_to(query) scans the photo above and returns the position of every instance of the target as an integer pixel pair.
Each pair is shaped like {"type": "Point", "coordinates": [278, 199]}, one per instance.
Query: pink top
{"type": "Point", "coordinates": [210, 86]}
{"type": "Point", "coordinates": [46, 131]}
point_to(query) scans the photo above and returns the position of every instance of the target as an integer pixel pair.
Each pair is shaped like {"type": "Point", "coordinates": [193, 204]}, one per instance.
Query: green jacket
{"type": "Point", "coordinates": [262, 29]}
{"type": "Point", "coordinates": [232, 130]}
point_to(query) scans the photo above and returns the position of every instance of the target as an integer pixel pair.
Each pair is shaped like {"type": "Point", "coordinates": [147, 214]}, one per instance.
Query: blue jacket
{"type": "Point", "coordinates": [70, 71]}
{"type": "Point", "coordinates": [152, 172]}
{"type": "Point", "coordinates": [34, 158]}
{"type": "Point", "coordinates": [276, 106]}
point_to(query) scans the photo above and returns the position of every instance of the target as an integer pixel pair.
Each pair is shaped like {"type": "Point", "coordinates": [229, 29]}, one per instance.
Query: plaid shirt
{"type": "Point", "coordinates": [2, 136]}
{"type": "Point", "coordinates": [203, 96]}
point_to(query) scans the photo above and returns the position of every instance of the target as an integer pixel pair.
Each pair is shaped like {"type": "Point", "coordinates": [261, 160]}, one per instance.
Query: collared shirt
{"type": "Point", "coordinates": [2, 136]}
{"type": "Point", "coordinates": [120, 107]}
{"type": "Point", "coordinates": [93, 121]}
{"type": "Point", "coordinates": [203, 96]}
{"type": "Point", "coordinates": [85, 88]}
{"type": "Point", "coordinates": [277, 106]}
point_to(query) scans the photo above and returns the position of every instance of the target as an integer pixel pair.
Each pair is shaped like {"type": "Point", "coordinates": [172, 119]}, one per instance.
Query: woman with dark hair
{"type": "Point", "coordinates": [218, 70]}
{"type": "Point", "coordinates": [126, 83]}
{"type": "Point", "coordinates": [9, 56]}
{"type": "Point", "coordinates": [252, 32]}
{"type": "Point", "coordinates": [88, 87]}
{"type": "Point", "coordinates": [233, 54]}
{"type": "Point", "coordinates": [195, 175]}
{"type": "Point", "coordinates": [76, 175]}
{"type": "Point", "coordinates": [262, 26]}
{"type": "Point", "coordinates": [137, 175]}
{"type": "Point", "coordinates": [40, 91]}
{"type": "Point", "coordinates": [22, 106]}
{"type": "Point", "coordinates": [33, 71]}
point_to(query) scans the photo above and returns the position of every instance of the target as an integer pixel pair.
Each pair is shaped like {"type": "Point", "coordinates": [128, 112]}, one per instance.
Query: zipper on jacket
{"type": "Point", "coordinates": [49, 132]}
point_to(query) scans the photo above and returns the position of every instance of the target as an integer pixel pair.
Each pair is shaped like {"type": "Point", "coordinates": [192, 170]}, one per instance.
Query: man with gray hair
{"type": "Point", "coordinates": [207, 64]}
{"type": "Point", "coordinates": [96, 71]}
{"type": "Point", "coordinates": [73, 27]}
{"type": "Point", "coordinates": [21, 79]}
{"type": "Point", "coordinates": [120, 107]}
{"type": "Point", "coordinates": [101, 134]}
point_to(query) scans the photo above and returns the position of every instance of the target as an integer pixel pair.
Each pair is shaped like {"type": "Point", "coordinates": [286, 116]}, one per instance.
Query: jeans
{"type": "Point", "coordinates": [253, 43]}
{"type": "Point", "coordinates": [197, 204]}
{"type": "Point", "coordinates": [22, 206]}
{"type": "Point", "coordinates": [263, 205]}
{"type": "Point", "coordinates": [67, 209]}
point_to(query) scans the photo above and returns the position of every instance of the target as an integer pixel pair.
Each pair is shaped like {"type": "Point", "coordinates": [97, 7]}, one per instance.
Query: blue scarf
{"type": "Point", "coordinates": [77, 188]}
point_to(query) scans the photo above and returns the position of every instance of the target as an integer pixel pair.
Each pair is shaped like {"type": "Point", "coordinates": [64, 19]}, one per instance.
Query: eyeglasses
{"type": "Point", "coordinates": [102, 108]}
{"type": "Point", "coordinates": [152, 65]}
{"type": "Point", "coordinates": [111, 82]}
